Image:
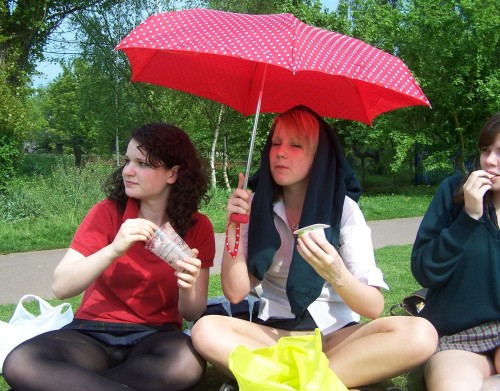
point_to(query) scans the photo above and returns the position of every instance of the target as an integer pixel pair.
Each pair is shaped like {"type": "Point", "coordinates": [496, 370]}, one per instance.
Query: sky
{"type": "Point", "coordinates": [50, 70]}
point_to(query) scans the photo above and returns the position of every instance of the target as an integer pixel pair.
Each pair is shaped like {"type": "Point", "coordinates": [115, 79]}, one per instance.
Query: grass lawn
{"type": "Point", "coordinates": [394, 262]}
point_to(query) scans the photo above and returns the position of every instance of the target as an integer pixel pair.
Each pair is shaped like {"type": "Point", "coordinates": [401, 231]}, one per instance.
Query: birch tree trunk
{"type": "Point", "coordinates": [224, 165]}
{"type": "Point", "coordinates": [213, 151]}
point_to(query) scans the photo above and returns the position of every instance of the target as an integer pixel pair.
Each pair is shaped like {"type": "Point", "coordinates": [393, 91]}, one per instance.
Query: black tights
{"type": "Point", "coordinates": [69, 360]}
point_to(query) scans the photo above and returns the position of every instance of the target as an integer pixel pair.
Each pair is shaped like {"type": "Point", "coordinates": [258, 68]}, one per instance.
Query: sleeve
{"type": "Point", "coordinates": [356, 248]}
{"type": "Point", "coordinates": [97, 230]}
{"type": "Point", "coordinates": [441, 238]}
{"type": "Point", "coordinates": [201, 236]}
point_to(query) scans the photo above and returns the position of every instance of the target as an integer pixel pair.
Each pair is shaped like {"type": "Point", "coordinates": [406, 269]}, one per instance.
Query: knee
{"type": "Point", "coordinates": [14, 366]}
{"type": "Point", "coordinates": [188, 369]}
{"type": "Point", "coordinates": [422, 337]}
{"type": "Point", "coordinates": [203, 332]}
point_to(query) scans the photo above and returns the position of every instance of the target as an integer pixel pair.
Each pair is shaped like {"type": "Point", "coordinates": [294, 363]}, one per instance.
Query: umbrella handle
{"type": "Point", "coordinates": [237, 218]}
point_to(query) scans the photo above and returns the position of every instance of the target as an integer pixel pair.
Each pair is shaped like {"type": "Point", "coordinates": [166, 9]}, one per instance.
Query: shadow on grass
{"type": "Point", "coordinates": [411, 381]}
{"type": "Point", "coordinates": [212, 380]}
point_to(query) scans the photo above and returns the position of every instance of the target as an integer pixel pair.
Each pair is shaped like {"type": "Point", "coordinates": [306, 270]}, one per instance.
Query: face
{"type": "Point", "coordinates": [490, 161]}
{"type": "Point", "coordinates": [290, 159]}
{"type": "Point", "coordinates": [142, 181]}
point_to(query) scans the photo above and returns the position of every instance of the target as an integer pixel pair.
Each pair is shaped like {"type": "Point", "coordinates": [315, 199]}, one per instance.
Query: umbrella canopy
{"type": "Point", "coordinates": [235, 59]}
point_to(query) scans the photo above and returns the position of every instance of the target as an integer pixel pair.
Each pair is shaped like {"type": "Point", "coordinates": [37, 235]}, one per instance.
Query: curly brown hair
{"type": "Point", "coordinates": [167, 146]}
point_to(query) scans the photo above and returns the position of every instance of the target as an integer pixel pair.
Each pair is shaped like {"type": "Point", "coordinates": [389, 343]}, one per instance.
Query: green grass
{"type": "Point", "coordinates": [43, 212]}
{"type": "Point", "coordinates": [394, 262]}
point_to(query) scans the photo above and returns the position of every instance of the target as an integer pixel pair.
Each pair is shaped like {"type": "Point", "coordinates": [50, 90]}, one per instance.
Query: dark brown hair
{"type": "Point", "coordinates": [487, 136]}
{"type": "Point", "coordinates": [167, 146]}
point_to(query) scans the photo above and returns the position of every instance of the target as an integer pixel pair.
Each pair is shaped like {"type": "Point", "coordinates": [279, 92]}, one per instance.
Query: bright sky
{"type": "Point", "coordinates": [50, 70]}
{"type": "Point", "coordinates": [330, 4]}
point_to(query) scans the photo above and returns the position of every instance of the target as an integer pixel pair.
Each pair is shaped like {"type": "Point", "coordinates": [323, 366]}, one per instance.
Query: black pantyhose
{"type": "Point", "coordinates": [67, 360]}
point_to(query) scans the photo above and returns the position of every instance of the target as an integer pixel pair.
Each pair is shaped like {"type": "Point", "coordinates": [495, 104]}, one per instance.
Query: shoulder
{"type": "Point", "coordinates": [202, 227]}
{"type": "Point", "coordinates": [451, 183]}
{"type": "Point", "coordinates": [351, 212]}
{"type": "Point", "coordinates": [105, 206]}
{"type": "Point", "coordinates": [102, 215]}
{"type": "Point", "coordinates": [446, 191]}
{"type": "Point", "coordinates": [202, 220]}
{"type": "Point", "coordinates": [201, 236]}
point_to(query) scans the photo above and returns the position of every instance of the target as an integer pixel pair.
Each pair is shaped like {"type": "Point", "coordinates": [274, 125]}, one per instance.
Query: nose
{"type": "Point", "coordinates": [492, 158]}
{"type": "Point", "coordinates": [281, 151]}
{"type": "Point", "coordinates": [128, 169]}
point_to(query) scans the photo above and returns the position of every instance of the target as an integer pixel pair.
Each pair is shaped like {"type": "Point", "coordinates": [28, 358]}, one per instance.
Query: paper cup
{"type": "Point", "coordinates": [169, 246]}
{"type": "Point", "coordinates": [318, 229]}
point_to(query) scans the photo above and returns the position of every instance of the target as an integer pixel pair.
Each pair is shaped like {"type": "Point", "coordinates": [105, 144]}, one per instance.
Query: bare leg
{"type": "Point", "coordinates": [457, 370]}
{"type": "Point", "coordinates": [215, 337]}
{"type": "Point", "coordinates": [359, 355]}
{"type": "Point", "coordinates": [379, 350]}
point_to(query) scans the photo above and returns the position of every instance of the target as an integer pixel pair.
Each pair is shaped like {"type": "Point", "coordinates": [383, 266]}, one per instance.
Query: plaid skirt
{"type": "Point", "coordinates": [479, 339]}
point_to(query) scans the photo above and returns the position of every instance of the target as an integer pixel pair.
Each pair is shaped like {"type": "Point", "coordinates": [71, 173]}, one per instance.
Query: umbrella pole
{"type": "Point", "coordinates": [237, 218]}
{"type": "Point", "coordinates": [254, 130]}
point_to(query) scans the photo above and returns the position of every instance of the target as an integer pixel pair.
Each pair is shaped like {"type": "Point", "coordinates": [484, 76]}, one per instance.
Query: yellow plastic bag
{"type": "Point", "coordinates": [294, 363]}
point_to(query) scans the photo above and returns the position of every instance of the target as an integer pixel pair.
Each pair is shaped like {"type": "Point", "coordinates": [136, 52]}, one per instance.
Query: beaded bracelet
{"type": "Point", "coordinates": [234, 252]}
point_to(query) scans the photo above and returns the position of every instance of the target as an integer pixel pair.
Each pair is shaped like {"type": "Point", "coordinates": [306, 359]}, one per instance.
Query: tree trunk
{"type": "Point", "coordinates": [460, 157]}
{"type": "Point", "coordinates": [224, 164]}
{"type": "Point", "coordinates": [77, 150]}
{"type": "Point", "coordinates": [213, 177]}
{"type": "Point", "coordinates": [363, 176]}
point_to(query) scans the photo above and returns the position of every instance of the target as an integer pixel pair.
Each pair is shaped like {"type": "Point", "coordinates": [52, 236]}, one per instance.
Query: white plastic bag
{"type": "Point", "coordinates": [24, 325]}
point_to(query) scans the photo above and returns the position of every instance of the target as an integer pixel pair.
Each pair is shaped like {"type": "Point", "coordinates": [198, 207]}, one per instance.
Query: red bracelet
{"type": "Point", "coordinates": [234, 252]}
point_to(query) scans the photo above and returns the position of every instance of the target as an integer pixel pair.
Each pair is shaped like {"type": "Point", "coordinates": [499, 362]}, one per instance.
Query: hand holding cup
{"type": "Point", "coordinates": [169, 246]}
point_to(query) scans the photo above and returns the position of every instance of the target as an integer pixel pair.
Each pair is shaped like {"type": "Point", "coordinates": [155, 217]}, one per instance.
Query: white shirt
{"type": "Point", "coordinates": [328, 311]}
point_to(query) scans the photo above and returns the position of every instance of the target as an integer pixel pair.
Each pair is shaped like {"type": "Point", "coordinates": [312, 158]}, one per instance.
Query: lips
{"type": "Point", "coordinates": [279, 167]}
{"type": "Point", "coordinates": [129, 183]}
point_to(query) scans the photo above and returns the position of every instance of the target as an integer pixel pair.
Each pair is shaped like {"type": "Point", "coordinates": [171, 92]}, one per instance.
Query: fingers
{"type": "Point", "coordinates": [479, 182]}
{"type": "Point", "coordinates": [188, 271]}
{"type": "Point", "coordinates": [476, 186]}
{"type": "Point", "coordinates": [131, 231]}
{"type": "Point", "coordinates": [239, 201]}
{"type": "Point", "coordinates": [241, 180]}
{"type": "Point", "coordinates": [323, 257]}
{"type": "Point", "coordinates": [315, 249]}
{"type": "Point", "coordinates": [139, 228]}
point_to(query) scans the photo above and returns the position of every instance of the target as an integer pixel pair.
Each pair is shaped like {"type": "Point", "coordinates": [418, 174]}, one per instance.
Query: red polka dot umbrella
{"type": "Point", "coordinates": [268, 63]}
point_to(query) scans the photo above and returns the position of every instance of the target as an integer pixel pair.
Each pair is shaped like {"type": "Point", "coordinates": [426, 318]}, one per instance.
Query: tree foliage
{"type": "Point", "coordinates": [13, 124]}
{"type": "Point", "coordinates": [451, 47]}
{"type": "Point", "coordinates": [25, 27]}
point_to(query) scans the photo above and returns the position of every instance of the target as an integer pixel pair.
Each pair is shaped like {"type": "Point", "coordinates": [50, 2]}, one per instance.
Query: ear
{"type": "Point", "coordinates": [172, 175]}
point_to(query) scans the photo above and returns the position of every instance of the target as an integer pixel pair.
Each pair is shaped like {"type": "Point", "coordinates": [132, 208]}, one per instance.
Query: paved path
{"type": "Point", "coordinates": [23, 273]}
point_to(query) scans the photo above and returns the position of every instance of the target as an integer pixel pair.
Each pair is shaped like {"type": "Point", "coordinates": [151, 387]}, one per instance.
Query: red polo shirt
{"type": "Point", "coordinates": [137, 287]}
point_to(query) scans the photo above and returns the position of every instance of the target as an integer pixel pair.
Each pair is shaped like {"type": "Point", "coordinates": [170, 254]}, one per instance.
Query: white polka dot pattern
{"type": "Point", "coordinates": [222, 55]}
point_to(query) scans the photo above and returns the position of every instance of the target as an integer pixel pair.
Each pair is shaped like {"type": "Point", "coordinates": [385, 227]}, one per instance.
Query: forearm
{"type": "Point", "coordinates": [235, 280]}
{"type": "Point", "coordinates": [436, 251]}
{"type": "Point", "coordinates": [363, 299]}
{"type": "Point", "coordinates": [76, 272]}
{"type": "Point", "coordinates": [193, 301]}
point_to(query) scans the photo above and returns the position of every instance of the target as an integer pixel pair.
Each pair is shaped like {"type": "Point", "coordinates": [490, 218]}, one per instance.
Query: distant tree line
{"type": "Point", "coordinates": [451, 47]}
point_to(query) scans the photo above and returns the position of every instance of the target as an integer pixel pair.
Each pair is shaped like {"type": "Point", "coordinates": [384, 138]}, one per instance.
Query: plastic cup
{"type": "Point", "coordinates": [318, 229]}
{"type": "Point", "coordinates": [169, 246]}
